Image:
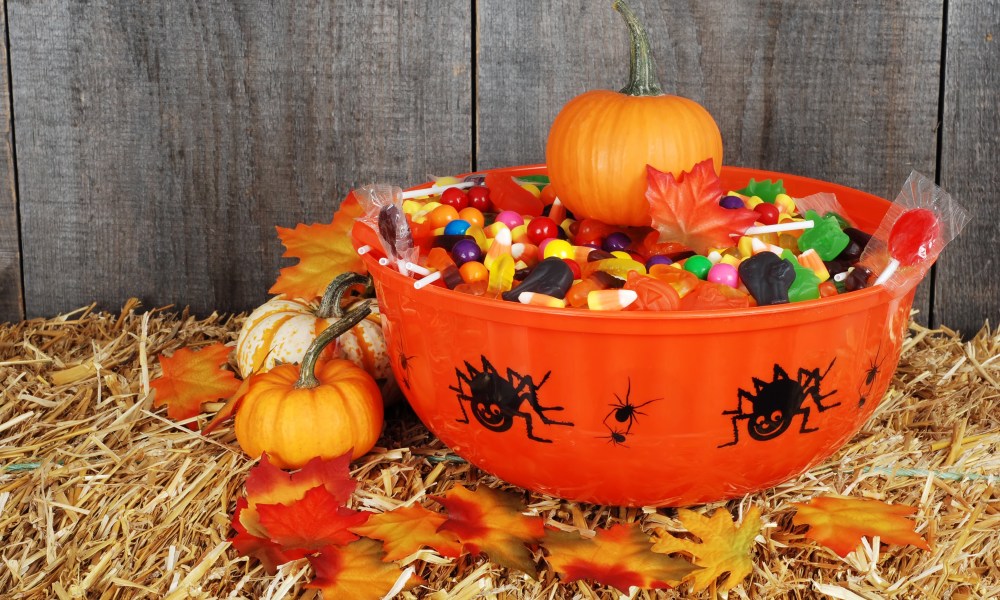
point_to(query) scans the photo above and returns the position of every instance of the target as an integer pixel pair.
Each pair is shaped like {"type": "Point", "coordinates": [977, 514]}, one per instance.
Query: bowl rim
{"type": "Point", "coordinates": [688, 321]}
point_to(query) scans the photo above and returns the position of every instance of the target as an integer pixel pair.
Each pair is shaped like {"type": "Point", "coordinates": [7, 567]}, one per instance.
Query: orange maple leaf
{"type": "Point", "coordinates": [228, 409]}
{"type": "Point", "coordinates": [357, 571]}
{"type": "Point", "coordinates": [406, 529]}
{"type": "Point", "coordinates": [688, 211]}
{"type": "Point", "coordinates": [267, 484]}
{"type": "Point", "coordinates": [324, 251]}
{"type": "Point", "coordinates": [270, 554]}
{"type": "Point", "coordinates": [620, 557]}
{"type": "Point", "coordinates": [839, 523]}
{"type": "Point", "coordinates": [190, 378]}
{"type": "Point", "coordinates": [316, 520]}
{"type": "Point", "coordinates": [723, 547]}
{"type": "Point", "coordinates": [491, 521]}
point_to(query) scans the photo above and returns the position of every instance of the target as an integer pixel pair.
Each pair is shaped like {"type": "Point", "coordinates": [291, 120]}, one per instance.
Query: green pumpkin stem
{"type": "Point", "coordinates": [330, 305]}
{"type": "Point", "coordinates": [642, 79]}
{"type": "Point", "coordinates": [307, 371]}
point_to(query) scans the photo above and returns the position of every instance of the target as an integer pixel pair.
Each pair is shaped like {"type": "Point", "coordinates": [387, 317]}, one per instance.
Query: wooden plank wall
{"type": "Point", "coordinates": [158, 144]}
{"type": "Point", "coordinates": [11, 307]}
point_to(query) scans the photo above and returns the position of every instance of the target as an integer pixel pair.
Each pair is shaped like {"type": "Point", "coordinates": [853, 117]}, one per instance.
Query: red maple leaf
{"type": "Point", "coordinates": [314, 521]}
{"type": "Point", "coordinates": [687, 210]}
{"type": "Point", "coordinates": [357, 571]}
{"type": "Point", "coordinates": [270, 554]}
{"type": "Point", "coordinates": [191, 378]}
{"type": "Point", "coordinates": [406, 529]}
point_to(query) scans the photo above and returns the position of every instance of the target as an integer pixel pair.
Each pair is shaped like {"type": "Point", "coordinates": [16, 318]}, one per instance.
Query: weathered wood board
{"type": "Point", "coordinates": [11, 306]}
{"type": "Point", "coordinates": [160, 143]}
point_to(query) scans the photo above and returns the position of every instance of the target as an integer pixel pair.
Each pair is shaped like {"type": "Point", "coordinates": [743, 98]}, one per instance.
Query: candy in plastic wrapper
{"type": "Point", "coordinates": [383, 213]}
{"type": "Point", "coordinates": [916, 228]}
{"type": "Point", "coordinates": [824, 203]}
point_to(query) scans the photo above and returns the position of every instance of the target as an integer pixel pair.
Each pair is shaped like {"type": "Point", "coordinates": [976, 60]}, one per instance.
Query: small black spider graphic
{"type": "Point", "coordinates": [874, 368]}
{"type": "Point", "coordinates": [624, 412]}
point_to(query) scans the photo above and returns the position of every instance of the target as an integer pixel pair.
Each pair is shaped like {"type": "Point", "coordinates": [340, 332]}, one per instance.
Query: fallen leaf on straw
{"type": "Point", "coordinates": [356, 571]}
{"type": "Point", "coordinates": [191, 378]}
{"type": "Point", "coordinates": [839, 523]}
{"type": "Point", "coordinates": [406, 529]}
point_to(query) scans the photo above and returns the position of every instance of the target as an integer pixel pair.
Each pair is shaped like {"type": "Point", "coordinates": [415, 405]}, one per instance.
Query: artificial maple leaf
{"type": "Point", "coordinates": [839, 523]}
{"type": "Point", "coordinates": [688, 211]}
{"type": "Point", "coordinates": [357, 571]}
{"type": "Point", "coordinates": [620, 557]}
{"type": "Point", "coordinates": [723, 548]}
{"type": "Point", "coordinates": [267, 484]}
{"type": "Point", "coordinates": [492, 522]}
{"type": "Point", "coordinates": [324, 251]}
{"type": "Point", "coordinates": [190, 378]}
{"type": "Point", "coordinates": [228, 409]}
{"type": "Point", "coordinates": [270, 554]}
{"type": "Point", "coordinates": [316, 520]}
{"type": "Point", "coordinates": [406, 529]}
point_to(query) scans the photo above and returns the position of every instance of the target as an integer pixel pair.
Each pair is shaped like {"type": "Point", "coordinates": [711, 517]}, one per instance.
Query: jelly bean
{"type": "Point", "coordinates": [552, 277]}
{"type": "Point", "coordinates": [520, 234]}
{"type": "Point", "coordinates": [499, 247]}
{"type": "Point", "coordinates": [858, 277]}
{"type": "Point", "coordinates": [573, 266]}
{"type": "Point", "coordinates": [682, 281]}
{"type": "Point", "coordinates": [501, 276]}
{"type": "Point", "coordinates": [723, 274]}
{"type": "Point", "coordinates": [466, 250]}
{"type": "Point", "coordinates": [652, 293]}
{"type": "Point", "coordinates": [731, 202]}
{"type": "Point", "coordinates": [533, 189]}
{"type": "Point", "coordinates": [456, 227]}
{"type": "Point", "coordinates": [657, 259]}
{"type": "Point", "coordinates": [620, 254]}
{"type": "Point", "coordinates": [619, 267]}
{"type": "Point", "coordinates": [590, 230]}
{"type": "Point", "coordinates": [474, 271]}
{"type": "Point", "coordinates": [610, 299]}
{"type": "Point", "coordinates": [811, 260]}
{"type": "Point", "coordinates": [713, 296]}
{"type": "Point", "coordinates": [827, 289]}
{"type": "Point", "coordinates": [542, 228]}
{"type": "Point", "coordinates": [558, 249]}
{"type": "Point", "coordinates": [752, 202]}
{"type": "Point", "coordinates": [745, 246]}
{"type": "Point", "coordinates": [766, 213]}
{"type": "Point", "coordinates": [477, 233]}
{"type": "Point", "coordinates": [510, 218]}
{"type": "Point", "coordinates": [616, 241]}
{"type": "Point", "coordinates": [538, 299]}
{"type": "Point", "coordinates": [473, 216]}
{"type": "Point", "coordinates": [698, 266]}
{"type": "Point", "coordinates": [767, 277]}
{"type": "Point", "coordinates": [826, 236]}
{"type": "Point", "coordinates": [442, 215]}
{"type": "Point", "coordinates": [479, 198]}
{"type": "Point", "coordinates": [455, 197]}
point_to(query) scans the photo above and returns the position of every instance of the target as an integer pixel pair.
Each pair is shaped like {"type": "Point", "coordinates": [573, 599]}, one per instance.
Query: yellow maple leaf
{"type": "Point", "coordinates": [324, 251]}
{"type": "Point", "coordinates": [191, 378]}
{"type": "Point", "coordinates": [724, 547]}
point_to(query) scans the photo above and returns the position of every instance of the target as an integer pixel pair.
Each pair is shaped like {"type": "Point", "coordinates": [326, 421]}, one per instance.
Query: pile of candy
{"type": "Point", "coordinates": [511, 239]}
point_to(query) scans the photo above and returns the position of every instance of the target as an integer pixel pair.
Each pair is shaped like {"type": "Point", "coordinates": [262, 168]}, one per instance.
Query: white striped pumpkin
{"type": "Point", "coordinates": [280, 330]}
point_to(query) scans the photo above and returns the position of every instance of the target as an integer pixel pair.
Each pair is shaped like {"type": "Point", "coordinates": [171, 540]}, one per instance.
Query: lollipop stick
{"type": "Point", "coordinates": [425, 281]}
{"type": "Point", "coordinates": [779, 227]}
{"type": "Point", "coordinates": [434, 189]}
{"type": "Point", "coordinates": [364, 250]}
{"type": "Point", "coordinates": [890, 269]}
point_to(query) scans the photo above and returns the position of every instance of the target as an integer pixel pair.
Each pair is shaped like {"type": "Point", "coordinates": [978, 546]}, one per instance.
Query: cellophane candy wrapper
{"type": "Point", "coordinates": [382, 205]}
{"type": "Point", "coordinates": [918, 193]}
{"type": "Point", "coordinates": [823, 203]}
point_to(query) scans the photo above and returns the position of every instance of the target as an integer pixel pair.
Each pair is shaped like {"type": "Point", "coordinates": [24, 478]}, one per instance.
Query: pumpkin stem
{"type": "Point", "coordinates": [307, 371]}
{"type": "Point", "coordinates": [330, 305]}
{"type": "Point", "coordinates": [642, 79]}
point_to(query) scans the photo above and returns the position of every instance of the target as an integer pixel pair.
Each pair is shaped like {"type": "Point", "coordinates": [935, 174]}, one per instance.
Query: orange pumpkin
{"type": "Point", "coordinates": [321, 409]}
{"type": "Point", "coordinates": [601, 141]}
{"type": "Point", "coordinates": [280, 330]}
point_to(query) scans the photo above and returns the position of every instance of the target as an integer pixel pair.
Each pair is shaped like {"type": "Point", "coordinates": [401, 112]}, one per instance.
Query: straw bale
{"type": "Point", "coordinates": [102, 497]}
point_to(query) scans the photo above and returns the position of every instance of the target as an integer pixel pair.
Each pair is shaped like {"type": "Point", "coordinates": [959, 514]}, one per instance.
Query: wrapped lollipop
{"type": "Point", "coordinates": [921, 222]}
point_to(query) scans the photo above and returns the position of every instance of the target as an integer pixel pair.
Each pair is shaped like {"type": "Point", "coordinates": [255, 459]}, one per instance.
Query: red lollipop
{"type": "Point", "coordinates": [913, 238]}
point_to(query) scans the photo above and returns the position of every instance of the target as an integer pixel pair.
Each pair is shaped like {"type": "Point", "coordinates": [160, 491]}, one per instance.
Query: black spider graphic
{"type": "Point", "coordinates": [625, 412]}
{"type": "Point", "coordinates": [874, 368]}
{"type": "Point", "coordinates": [775, 403]}
{"type": "Point", "coordinates": [614, 437]}
{"type": "Point", "coordinates": [496, 399]}
{"type": "Point", "coordinates": [404, 364]}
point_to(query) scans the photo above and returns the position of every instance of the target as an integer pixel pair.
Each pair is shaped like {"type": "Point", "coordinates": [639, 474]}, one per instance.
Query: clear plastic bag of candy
{"type": "Point", "coordinates": [824, 203]}
{"type": "Point", "coordinates": [382, 205]}
{"type": "Point", "coordinates": [916, 228]}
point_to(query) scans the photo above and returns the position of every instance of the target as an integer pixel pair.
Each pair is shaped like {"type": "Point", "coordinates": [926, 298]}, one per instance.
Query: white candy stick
{"type": "Point", "coordinates": [888, 272]}
{"type": "Point", "coordinates": [364, 249]}
{"type": "Point", "coordinates": [418, 269]}
{"type": "Point", "coordinates": [778, 227]}
{"type": "Point", "coordinates": [383, 261]}
{"type": "Point", "coordinates": [434, 189]}
{"type": "Point", "coordinates": [425, 281]}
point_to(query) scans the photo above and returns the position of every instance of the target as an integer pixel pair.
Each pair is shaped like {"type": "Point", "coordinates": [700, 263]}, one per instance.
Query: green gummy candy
{"type": "Point", "coordinates": [825, 237]}
{"type": "Point", "coordinates": [806, 284]}
{"type": "Point", "coordinates": [766, 189]}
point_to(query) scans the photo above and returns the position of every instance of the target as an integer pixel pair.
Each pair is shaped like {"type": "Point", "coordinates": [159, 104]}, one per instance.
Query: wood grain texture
{"type": "Point", "coordinates": [841, 91]}
{"type": "Point", "coordinates": [966, 292]}
{"type": "Point", "coordinates": [11, 307]}
{"type": "Point", "coordinates": [160, 143]}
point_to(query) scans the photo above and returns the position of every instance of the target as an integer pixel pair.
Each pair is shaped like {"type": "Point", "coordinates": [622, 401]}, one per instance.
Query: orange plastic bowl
{"type": "Point", "coordinates": [645, 408]}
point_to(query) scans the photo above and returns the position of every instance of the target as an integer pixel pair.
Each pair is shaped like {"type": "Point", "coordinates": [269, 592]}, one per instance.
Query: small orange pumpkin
{"type": "Point", "coordinates": [322, 410]}
{"type": "Point", "coordinates": [280, 330]}
{"type": "Point", "coordinates": [601, 141]}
